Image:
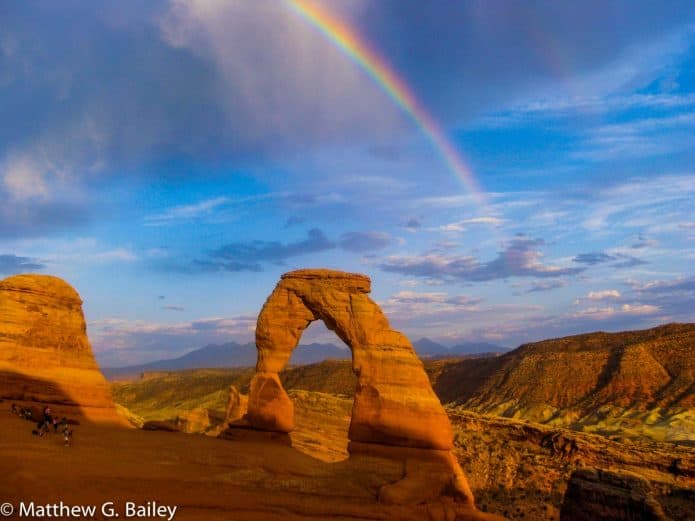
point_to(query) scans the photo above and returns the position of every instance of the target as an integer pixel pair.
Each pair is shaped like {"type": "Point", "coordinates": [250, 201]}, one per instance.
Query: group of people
{"type": "Point", "coordinates": [45, 422]}
{"type": "Point", "coordinates": [23, 412]}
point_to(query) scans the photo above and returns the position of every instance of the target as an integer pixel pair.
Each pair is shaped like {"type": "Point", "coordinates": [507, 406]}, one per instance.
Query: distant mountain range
{"type": "Point", "coordinates": [427, 348]}
{"type": "Point", "coordinates": [232, 354]}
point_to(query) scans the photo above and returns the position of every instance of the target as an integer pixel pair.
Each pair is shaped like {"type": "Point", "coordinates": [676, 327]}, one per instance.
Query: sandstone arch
{"type": "Point", "coordinates": [396, 414]}
{"type": "Point", "coordinates": [394, 402]}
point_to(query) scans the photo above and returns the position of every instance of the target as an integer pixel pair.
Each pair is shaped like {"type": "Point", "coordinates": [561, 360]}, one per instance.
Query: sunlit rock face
{"type": "Point", "coordinates": [45, 355]}
{"type": "Point", "coordinates": [394, 402]}
{"type": "Point", "coordinates": [396, 414]}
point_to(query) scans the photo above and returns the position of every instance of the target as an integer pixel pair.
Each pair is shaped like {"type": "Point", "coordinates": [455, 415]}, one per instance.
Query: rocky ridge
{"type": "Point", "coordinates": [637, 379]}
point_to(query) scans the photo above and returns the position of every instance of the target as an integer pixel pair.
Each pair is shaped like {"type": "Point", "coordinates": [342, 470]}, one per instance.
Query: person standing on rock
{"type": "Point", "coordinates": [41, 429]}
{"type": "Point", "coordinates": [67, 436]}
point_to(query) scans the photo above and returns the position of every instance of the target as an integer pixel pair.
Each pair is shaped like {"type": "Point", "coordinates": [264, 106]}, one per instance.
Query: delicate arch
{"type": "Point", "coordinates": [394, 401]}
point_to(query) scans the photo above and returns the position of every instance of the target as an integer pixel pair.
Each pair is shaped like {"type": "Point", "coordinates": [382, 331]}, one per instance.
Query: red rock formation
{"type": "Point", "coordinates": [45, 355]}
{"type": "Point", "coordinates": [395, 411]}
{"type": "Point", "coordinates": [577, 375]}
{"type": "Point", "coordinates": [603, 495]}
{"type": "Point", "coordinates": [236, 406]}
{"type": "Point", "coordinates": [394, 402]}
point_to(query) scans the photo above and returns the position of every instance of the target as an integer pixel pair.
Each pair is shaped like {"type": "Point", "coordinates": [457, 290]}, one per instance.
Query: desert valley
{"type": "Point", "coordinates": [596, 426]}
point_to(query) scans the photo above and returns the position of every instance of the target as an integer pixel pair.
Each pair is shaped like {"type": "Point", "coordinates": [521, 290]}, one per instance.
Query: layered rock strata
{"type": "Point", "coordinates": [45, 355]}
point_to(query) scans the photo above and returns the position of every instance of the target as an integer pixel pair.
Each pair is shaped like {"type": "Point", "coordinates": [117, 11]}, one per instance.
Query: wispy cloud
{"type": "Point", "coordinates": [294, 220]}
{"type": "Point", "coordinates": [521, 258]}
{"type": "Point", "coordinates": [602, 313]}
{"type": "Point", "coordinates": [563, 107]}
{"type": "Point", "coordinates": [628, 261]}
{"type": "Point", "coordinates": [618, 260]}
{"type": "Point", "coordinates": [360, 242]}
{"type": "Point", "coordinates": [676, 297]}
{"type": "Point", "coordinates": [606, 294]}
{"type": "Point", "coordinates": [29, 218]}
{"type": "Point", "coordinates": [173, 308]}
{"type": "Point", "coordinates": [10, 263]}
{"type": "Point", "coordinates": [25, 178]}
{"type": "Point", "coordinates": [460, 226]}
{"type": "Point", "coordinates": [603, 294]}
{"type": "Point", "coordinates": [253, 255]}
{"type": "Point", "coordinates": [85, 251]}
{"type": "Point", "coordinates": [413, 224]}
{"type": "Point", "coordinates": [639, 309]}
{"type": "Point", "coordinates": [186, 212]}
{"type": "Point", "coordinates": [636, 138]}
{"type": "Point", "coordinates": [546, 285]}
{"type": "Point", "coordinates": [410, 304]}
{"type": "Point", "coordinates": [661, 194]}
{"type": "Point", "coordinates": [593, 258]}
{"type": "Point", "coordinates": [642, 242]}
{"type": "Point", "coordinates": [250, 256]}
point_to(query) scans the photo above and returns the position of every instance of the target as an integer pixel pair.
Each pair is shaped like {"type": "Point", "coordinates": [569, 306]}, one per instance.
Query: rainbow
{"type": "Point", "coordinates": [392, 84]}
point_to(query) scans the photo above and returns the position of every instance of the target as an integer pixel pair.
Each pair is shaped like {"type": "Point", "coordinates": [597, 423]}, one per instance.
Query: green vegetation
{"type": "Point", "coordinates": [163, 396]}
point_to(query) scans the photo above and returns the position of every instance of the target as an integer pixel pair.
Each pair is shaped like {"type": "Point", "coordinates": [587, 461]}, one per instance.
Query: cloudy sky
{"type": "Point", "coordinates": [171, 159]}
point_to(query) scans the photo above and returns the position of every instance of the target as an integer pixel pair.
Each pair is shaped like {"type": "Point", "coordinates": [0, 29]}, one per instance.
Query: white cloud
{"type": "Point", "coordinates": [79, 251]}
{"type": "Point", "coordinates": [460, 226]}
{"type": "Point", "coordinates": [413, 296]}
{"type": "Point", "coordinates": [560, 107]}
{"type": "Point", "coordinates": [638, 138]}
{"type": "Point", "coordinates": [604, 294]}
{"type": "Point", "coordinates": [24, 178]}
{"type": "Point", "coordinates": [115, 255]}
{"type": "Point", "coordinates": [595, 312]}
{"type": "Point", "coordinates": [279, 73]}
{"type": "Point", "coordinates": [412, 304]}
{"type": "Point", "coordinates": [546, 285]}
{"type": "Point", "coordinates": [186, 212]}
{"type": "Point", "coordinates": [639, 309]}
{"type": "Point", "coordinates": [602, 313]}
{"type": "Point", "coordinates": [520, 257]}
{"type": "Point", "coordinates": [671, 193]}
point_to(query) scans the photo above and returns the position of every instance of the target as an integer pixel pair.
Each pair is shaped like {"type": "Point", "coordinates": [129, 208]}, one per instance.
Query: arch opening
{"type": "Point", "coordinates": [321, 384]}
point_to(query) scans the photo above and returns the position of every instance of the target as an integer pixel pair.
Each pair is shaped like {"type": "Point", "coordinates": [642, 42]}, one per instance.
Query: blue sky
{"type": "Point", "coordinates": [171, 161]}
